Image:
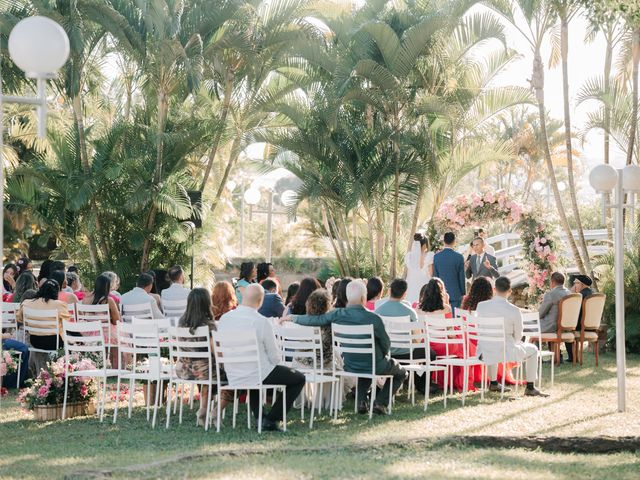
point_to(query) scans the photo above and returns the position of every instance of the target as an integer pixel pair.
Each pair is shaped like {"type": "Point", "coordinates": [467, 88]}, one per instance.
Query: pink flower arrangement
{"type": "Point", "coordinates": [8, 362]}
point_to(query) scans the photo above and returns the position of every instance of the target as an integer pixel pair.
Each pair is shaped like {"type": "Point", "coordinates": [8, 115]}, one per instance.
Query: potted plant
{"type": "Point", "coordinates": [45, 395]}
{"type": "Point", "coordinates": [8, 366]}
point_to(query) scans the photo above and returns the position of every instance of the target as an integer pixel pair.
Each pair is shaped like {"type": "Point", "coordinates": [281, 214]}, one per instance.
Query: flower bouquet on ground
{"type": "Point", "coordinates": [45, 395]}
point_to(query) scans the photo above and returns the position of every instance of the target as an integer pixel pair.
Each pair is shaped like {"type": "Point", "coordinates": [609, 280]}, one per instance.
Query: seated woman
{"type": "Point", "coordinates": [223, 299]}
{"type": "Point", "coordinates": [9, 274]}
{"type": "Point", "coordinates": [199, 314]}
{"type": "Point", "coordinates": [46, 299]}
{"type": "Point", "coordinates": [64, 296]}
{"type": "Point", "coordinates": [248, 274]}
{"type": "Point", "coordinates": [26, 282]}
{"type": "Point", "coordinates": [100, 296]}
{"type": "Point", "coordinates": [298, 305]}
{"type": "Point", "coordinates": [375, 288]}
{"type": "Point", "coordinates": [482, 290]}
{"type": "Point", "coordinates": [434, 300]}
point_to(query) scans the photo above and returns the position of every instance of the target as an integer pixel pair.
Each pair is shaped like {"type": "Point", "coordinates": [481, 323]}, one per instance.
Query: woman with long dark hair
{"type": "Point", "coordinates": [434, 298]}
{"type": "Point", "coordinates": [46, 299]}
{"type": "Point", "coordinates": [198, 314]}
{"type": "Point", "coordinates": [340, 300]}
{"type": "Point", "coordinates": [25, 283]}
{"type": "Point", "coordinates": [291, 292]}
{"type": "Point", "coordinates": [375, 288]}
{"type": "Point", "coordinates": [481, 290]}
{"type": "Point", "coordinates": [308, 285]}
{"type": "Point", "coordinates": [101, 296]}
{"type": "Point", "coordinates": [9, 275]}
{"type": "Point", "coordinates": [248, 273]}
{"type": "Point", "coordinates": [24, 264]}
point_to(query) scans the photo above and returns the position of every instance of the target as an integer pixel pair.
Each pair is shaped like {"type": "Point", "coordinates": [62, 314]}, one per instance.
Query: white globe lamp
{"type": "Point", "coordinates": [231, 185]}
{"type": "Point", "coordinates": [537, 186]}
{"type": "Point", "coordinates": [603, 178]}
{"type": "Point", "coordinates": [288, 198]}
{"type": "Point", "coordinates": [39, 46]}
{"type": "Point", "coordinates": [252, 196]}
{"type": "Point", "coordinates": [631, 178]}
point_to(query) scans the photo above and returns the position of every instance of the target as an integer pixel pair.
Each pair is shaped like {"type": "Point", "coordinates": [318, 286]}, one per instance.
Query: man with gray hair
{"type": "Point", "coordinates": [356, 314]}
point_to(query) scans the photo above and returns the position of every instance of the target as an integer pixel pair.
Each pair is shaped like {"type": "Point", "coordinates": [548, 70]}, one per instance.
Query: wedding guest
{"type": "Point", "coordinates": [319, 303]}
{"type": "Point", "coordinates": [264, 271]}
{"type": "Point", "coordinates": [291, 292]}
{"type": "Point", "coordinates": [516, 350]}
{"type": "Point", "coordinates": [24, 264]}
{"type": "Point", "coordinates": [73, 283]}
{"type": "Point", "coordinates": [548, 309]}
{"type": "Point", "coordinates": [101, 296]}
{"type": "Point", "coordinates": [340, 300]}
{"type": "Point", "coordinates": [25, 283]}
{"type": "Point", "coordinates": [154, 288]}
{"type": "Point", "coordinates": [397, 307]}
{"type": "Point", "coordinates": [140, 294]}
{"type": "Point", "coordinates": [115, 285]}
{"type": "Point", "coordinates": [448, 265]}
{"type": "Point", "coordinates": [480, 291]}
{"type": "Point", "coordinates": [307, 286]}
{"type": "Point", "coordinates": [481, 264]}
{"type": "Point", "coordinates": [248, 274]}
{"type": "Point", "coordinates": [246, 318]}
{"type": "Point", "coordinates": [480, 232]}
{"type": "Point", "coordinates": [272, 305]}
{"type": "Point", "coordinates": [177, 290]}
{"type": "Point", "coordinates": [198, 313]}
{"type": "Point", "coordinates": [582, 285]}
{"type": "Point", "coordinates": [9, 275]}
{"type": "Point", "coordinates": [434, 298]}
{"type": "Point", "coordinates": [223, 299]}
{"type": "Point", "coordinates": [374, 292]}
{"type": "Point", "coordinates": [46, 299]}
{"type": "Point", "coordinates": [61, 277]}
{"type": "Point", "coordinates": [45, 271]}
{"type": "Point", "coordinates": [356, 314]}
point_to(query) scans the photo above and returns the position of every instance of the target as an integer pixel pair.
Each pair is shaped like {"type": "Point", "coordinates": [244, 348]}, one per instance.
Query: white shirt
{"type": "Point", "coordinates": [245, 319]}
{"type": "Point", "coordinates": [175, 292]}
{"type": "Point", "coordinates": [514, 349]}
{"type": "Point", "coordinates": [139, 296]}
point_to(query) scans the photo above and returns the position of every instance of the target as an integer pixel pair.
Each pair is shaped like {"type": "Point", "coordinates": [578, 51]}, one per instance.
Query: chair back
{"type": "Point", "coordinates": [41, 322]}
{"type": "Point", "coordinates": [353, 340]}
{"type": "Point", "coordinates": [448, 331]}
{"type": "Point", "coordinates": [174, 308]}
{"type": "Point", "coordinates": [96, 313]}
{"type": "Point", "coordinates": [183, 344]}
{"type": "Point", "coordinates": [531, 327]}
{"type": "Point", "coordinates": [73, 311]}
{"type": "Point", "coordinates": [140, 340]}
{"type": "Point", "coordinates": [569, 312]}
{"type": "Point", "coordinates": [592, 309]}
{"type": "Point", "coordinates": [386, 320]}
{"type": "Point", "coordinates": [140, 310]}
{"type": "Point", "coordinates": [461, 313]}
{"type": "Point", "coordinates": [83, 338]}
{"type": "Point", "coordinates": [301, 343]}
{"type": "Point", "coordinates": [9, 316]}
{"type": "Point", "coordinates": [236, 353]}
{"type": "Point", "coordinates": [488, 330]}
{"type": "Point", "coordinates": [409, 336]}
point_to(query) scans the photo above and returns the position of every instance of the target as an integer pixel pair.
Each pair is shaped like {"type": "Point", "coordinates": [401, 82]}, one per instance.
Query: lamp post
{"type": "Point", "coordinates": [38, 46]}
{"type": "Point", "coordinates": [604, 179]}
{"type": "Point", "coordinates": [251, 197]}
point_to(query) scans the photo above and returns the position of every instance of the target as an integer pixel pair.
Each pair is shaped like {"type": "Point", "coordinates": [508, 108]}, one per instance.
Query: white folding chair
{"type": "Point", "coordinates": [304, 344]}
{"type": "Point", "coordinates": [488, 331]}
{"type": "Point", "coordinates": [41, 323]}
{"type": "Point", "coordinates": [174, 308]}
{"type": "Point", "coordinates": [238, 350]}
{"type": "Point", "coordinates": [140, 340]}
{"type": "Point", "coordinates": [82, 339]}
{"type": "Point", "coordinates": [9, 320]}
{"type": "Point", "coordinates": [139, 310]}
{"type": "Point", "coordinates": [186, 346]}
{"type": "Point", "coordinates": [356, 340]}
{"type": "Point", "coordinates": [451, 332]}
{"type": "Point", "coordinates": [386, 320]}
{"type": "Point", "coordinates": [98, 313]}
{"type": "Point", "coordinates": [73, 311]}
{"type": "Point", "coordinates": [532, 334]}
{"type": "Point", "coordinates": [413, 336]}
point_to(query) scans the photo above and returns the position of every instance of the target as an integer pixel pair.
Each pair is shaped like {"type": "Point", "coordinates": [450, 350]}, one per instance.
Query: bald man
{"type": "Point", "coordinates": [356, 314]}
{"type": "Point", "coordinates": [246, 318]}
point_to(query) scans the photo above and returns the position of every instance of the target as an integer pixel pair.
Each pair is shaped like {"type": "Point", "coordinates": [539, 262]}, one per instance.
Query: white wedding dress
{"type": "Point", "coordinates": [417, 276]}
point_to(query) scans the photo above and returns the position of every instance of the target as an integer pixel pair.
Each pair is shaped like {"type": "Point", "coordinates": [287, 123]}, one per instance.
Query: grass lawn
{"type": "Point", "coordinates": [407, 444]}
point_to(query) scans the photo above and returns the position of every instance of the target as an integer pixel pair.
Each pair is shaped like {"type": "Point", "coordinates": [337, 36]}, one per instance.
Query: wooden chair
{"type": "Point", "coordinates": [568, 314]}
{"type": "Point", "coordinates": [592, 308]}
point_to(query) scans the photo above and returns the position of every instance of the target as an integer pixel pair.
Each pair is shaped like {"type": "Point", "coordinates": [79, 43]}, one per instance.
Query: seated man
{"type": "Point", "coordinates": [516, 350]}
{"type": "Point", "coordinates": [356, 314]}
{"type": "Point", "coordinates": [244, 319]}
{"type": "Point", "coordinates": [272, 305]}
{"type": "Point", "coordinates": [140, 295]}
{"type": "Point", "coordinates": [548, 309]}
{"type": "Point", "coordinates": [582, 285]}
{"type": "Point", "coordinates": [176, 291]}
{"type": "Point", "coordinates": [397, 307]}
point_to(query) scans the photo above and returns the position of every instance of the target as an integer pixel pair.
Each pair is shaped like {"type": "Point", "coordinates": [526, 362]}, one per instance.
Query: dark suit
{"type": "Point", "coordinates": [474, 272]}
{"type": "Point", "coordinates": [585, 293]}
{"type": "Point", "coordinates": [448, 265]}
{"type": "Point", "coordinates": [272, 306]}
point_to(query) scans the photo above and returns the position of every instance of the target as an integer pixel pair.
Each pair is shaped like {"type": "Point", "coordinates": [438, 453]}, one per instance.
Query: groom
{"type": "Point", "coordinates": [448, 265]}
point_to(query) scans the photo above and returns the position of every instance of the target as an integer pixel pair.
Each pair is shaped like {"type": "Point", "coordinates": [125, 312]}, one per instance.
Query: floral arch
{"type": "Point", "coordinates": [536, 236]}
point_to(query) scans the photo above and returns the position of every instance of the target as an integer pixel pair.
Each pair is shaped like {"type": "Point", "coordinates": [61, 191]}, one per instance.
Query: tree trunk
{"type": "Point", "coordinates": [537, 82]}
{"type": "Point", "coordinates": [228, 90]}
{"type": "Point", "coordinates": [233, 157]}
{"type": "Point", "coordinates": [380, 237]}
{"type": "Point", "coordinates": [340, 243]}
{"type": "Point", "coordinates": [634, 99]}
{"type": "Point", "coordinates": [396, 213]}
{"type": "Point", "coordinates": [608, 57]}
{"type": "Point", "coordinates": [325, 224]}
{"type": "Point", "coordinates": [371, 240]}
{"type": "Point", "coordinates": [564, 42]}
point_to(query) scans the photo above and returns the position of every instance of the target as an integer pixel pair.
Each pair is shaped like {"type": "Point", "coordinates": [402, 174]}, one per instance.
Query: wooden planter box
{"type": "Point", "coordinates": [47, 413]}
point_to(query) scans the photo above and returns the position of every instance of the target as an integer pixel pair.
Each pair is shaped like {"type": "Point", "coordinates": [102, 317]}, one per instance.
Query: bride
{"type": "Point", "coordinates": [419, 265]}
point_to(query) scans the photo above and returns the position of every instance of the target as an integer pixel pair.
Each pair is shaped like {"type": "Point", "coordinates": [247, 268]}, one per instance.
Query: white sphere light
{"type": "Point", "coordinates": [288, 198]}
{"type": "Point", "coordinates": [39, 46]}
{"type": "Point", "coordinates": [603, 178]}
{"type": "Point", "coordinates": [252, 196]}
{"type": "Point", "coordinates": [537, 186]}
{"type": "Point", "coordinates": [231, 185]}
{"type": "Point", "coordinates": [631, 178]}
{"type": "Point", "coordinates": [562, 186]}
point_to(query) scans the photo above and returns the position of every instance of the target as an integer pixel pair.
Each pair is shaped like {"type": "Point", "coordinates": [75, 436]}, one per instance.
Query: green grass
{"type": "Point", "coordinates": [406, 444]}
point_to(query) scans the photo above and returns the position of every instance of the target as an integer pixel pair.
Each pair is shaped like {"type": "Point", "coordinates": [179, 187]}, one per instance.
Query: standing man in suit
{"type": "Point", "coordinates": [448, 265]}
{"type": "Point", "coordinates": [548, 309]}
{"type": "Point", "coordinates": [515, 349]}
{"type": "Point", "coordinates": [481, 264]}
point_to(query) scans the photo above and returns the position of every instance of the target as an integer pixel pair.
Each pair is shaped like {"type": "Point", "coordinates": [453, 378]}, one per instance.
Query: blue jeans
{"type": "Point", "coordinates": [9, 381]}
